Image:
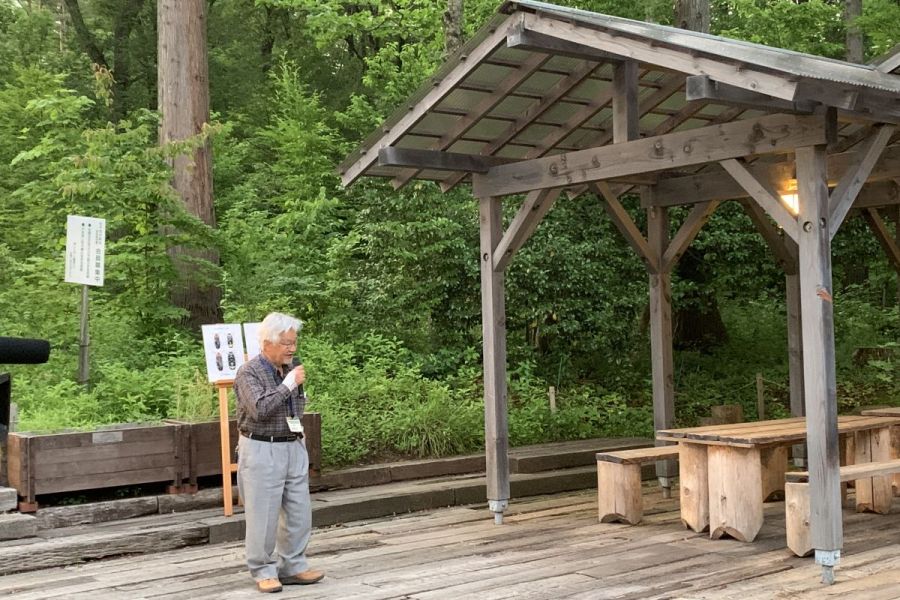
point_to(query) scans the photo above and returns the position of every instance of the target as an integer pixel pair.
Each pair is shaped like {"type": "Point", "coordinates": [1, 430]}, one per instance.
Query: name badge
{"type": "Point", "coordinates": [295, 425]}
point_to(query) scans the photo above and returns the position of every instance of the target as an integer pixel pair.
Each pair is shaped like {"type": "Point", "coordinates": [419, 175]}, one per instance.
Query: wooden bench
{"type": "Point", "coordinates": [873, 494]}
{"type": "Point", "coordinates": [619, 481]}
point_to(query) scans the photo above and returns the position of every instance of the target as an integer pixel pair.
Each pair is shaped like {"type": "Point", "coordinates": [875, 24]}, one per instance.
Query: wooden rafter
{"type": "Point", "coordinates": [437, 160]}
{"type": "Point", "coordinates": [533, 112]}
{"type": "Point", "coordinates": [703, 87]}
{"type": "Point", "coordinates": [762, 194]}
{"type": "Point", "coordinates": [530, 214]}
{"type": "Point", "coordinates": [773, 133]}
{"type": "Point", "coordinates": [529, 40]}
{"type": "Point", "coordinates": [843, 196]}
{"type": "Point", "coordinates": [625, 101]}
{"type": "Point", "coordinates": [486, 105]}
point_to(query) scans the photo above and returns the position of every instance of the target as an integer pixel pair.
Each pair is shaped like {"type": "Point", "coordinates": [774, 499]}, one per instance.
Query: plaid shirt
{"type": "Point", "coordinates": [263, 403]}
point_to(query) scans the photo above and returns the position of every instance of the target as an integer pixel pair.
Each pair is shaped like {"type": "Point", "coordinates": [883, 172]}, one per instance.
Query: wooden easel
{"type": "Point", "coordinates": [228, 467]}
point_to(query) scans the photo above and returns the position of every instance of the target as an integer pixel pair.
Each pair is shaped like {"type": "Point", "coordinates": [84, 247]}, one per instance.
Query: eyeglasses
{"type": "Point", "coordinates": [291, 344]}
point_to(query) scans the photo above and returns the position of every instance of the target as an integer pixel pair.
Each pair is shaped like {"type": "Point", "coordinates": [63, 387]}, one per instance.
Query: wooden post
{"type": "Point", "coordinates": [817, 322]}
{"type": "Point", "coordinates": [661, 336]}
{"type": "Point", "coordinates": [795, 355]}
{"type": "Point", "coordinates": [84, 340]}
{"type": "Point", "coordinates": [224, 435]}
{"type": "Point", "coordinates": [493, 320]}
{"type": "Point", "coordinates": [552, 399]}
{"type": "Point", "coordinates": [760, 398]}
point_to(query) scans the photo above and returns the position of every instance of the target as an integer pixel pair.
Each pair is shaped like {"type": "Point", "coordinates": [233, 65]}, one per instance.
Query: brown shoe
{"type": "Point", "coordinates": [268, 586]}
{"type": "Point", "coordinates": [304, 578]}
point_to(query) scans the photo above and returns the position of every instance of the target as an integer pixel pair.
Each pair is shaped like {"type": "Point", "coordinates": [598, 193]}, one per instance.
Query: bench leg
{"type": "Point", "coordinates": [774, 462]}
{"type": "Point", "coordinates": [895, 453]}
{"type": "Point", "coordinates": [735, 492]}
{"type": "Point", "coordinates": [848, 457]}
{"type": "Point", "coordinates": [796, 516]}
{"type": "Point", "coordinates": [694, 481]}
{"type": "Point", "coordinates": [619, 492]}
{"type": "Point", "coordinates": [874, 493]}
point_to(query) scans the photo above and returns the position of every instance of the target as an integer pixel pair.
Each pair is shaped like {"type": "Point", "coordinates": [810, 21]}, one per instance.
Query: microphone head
{"type": "Point", "coordinates": [296, 362]}
{"type": "Point", "coordinates": [23, 351]}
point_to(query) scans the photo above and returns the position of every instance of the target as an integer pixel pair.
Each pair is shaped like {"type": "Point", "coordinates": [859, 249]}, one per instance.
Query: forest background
{"type": "Point", "coordinates": [386, 281]}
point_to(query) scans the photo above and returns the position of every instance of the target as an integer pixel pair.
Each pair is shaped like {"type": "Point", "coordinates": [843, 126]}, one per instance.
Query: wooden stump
{"type": "Point", "coordinates": [619, 492]}
{"type": "Point", "coordinates": [735, 500]}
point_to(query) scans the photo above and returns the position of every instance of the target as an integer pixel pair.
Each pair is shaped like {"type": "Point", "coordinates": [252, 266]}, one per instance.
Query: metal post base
{"type": "Point", "coordinates": [666, 484]}
{"type": "Point", "coordinates": [497, 507]}
{"type": "Point", "coordinates": [828, 559]}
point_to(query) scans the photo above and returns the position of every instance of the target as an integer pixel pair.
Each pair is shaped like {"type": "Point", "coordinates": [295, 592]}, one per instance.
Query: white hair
{"type": "Point", "coordinates": [275, 324]}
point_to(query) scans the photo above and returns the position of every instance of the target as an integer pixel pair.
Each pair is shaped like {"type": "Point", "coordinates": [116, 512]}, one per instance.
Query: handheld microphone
{"type": "Point", "coordinates": [23, 351]}
{"type": "Point", "coordinates": [296, 362]}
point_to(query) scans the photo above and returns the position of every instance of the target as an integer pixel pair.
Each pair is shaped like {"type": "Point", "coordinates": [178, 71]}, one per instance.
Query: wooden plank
{"type": "Point", "coordinates": [873, 493]}
{"type": "Point", "coordinates": [710, 185]}
{"type": "Point", "coordinates": [764, 196]}
{"type": "Point", "coordinates": [103, 480]}
{"type": "Point", "coordinates": [533, 210]}
{"type": "Point", "coordinates": [513, 80]}
{"type": "Point", "coordinates": [770, 134]}
{"type": "Point", "coordinates": [854, 471]}
{"type": "Point", "coordinates": [735, 499]}
{"type": "Point", "coordinates": [843, 196]}
{"type": "Point", "coordinates": [121, 465]}
{"type": "Point", "coordinates": [883, 235]}
{"type": "Point", "coordinates": [695, 221]}
{"type": "Point", "coordinates": [624, 223]}
{"type": "Point", "coordinates": [619, 492]}
{"type": "Point", "coordinates": [522, 39]}
{"type": "Point", "coordinates": [493, 318]}
{"type": "Point", "coordinates": [638, 455]}
{"type": "Point", "coordinates": [681, 60]}
{"type": "Point", "coordinates": [818, 350]}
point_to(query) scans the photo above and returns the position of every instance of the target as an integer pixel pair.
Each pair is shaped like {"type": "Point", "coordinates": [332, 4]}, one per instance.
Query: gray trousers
{"type": "Point", "coordinates": [273, 479]}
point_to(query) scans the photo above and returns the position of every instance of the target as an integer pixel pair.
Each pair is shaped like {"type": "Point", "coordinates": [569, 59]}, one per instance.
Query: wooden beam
{"type": "Point", "coordinates": [703, 87]}
{"type": "Point", "coordinates": [625, 101]}
{"type": "Point", "coordinates": [695, 221]}
{"type": "Point", "coordinates": [440, 91]}
{"type": "Point", "coordinates": [817, 318]}
{"type": "Point", "coordinates": [682, 60]}
{"type": "Point", "coordinates": [763, 195]}
{"type": "Point", "coordinates": [538, 108]}
{"type": "Point", "coordinates": [661, 352]}
{"type": "Point", "coordinates": [891, 62]}
{"type": "Point", "coordinates": [877, 195]}
{"type": "Point", "coordinates": [520, 39]}
{"type": "Point", "coordinates": [884, 237]}
{"type": "Point", "coordinates": [624, 223]}
{"type": "Point", "coordinates": [773, 133]}
{"type": "Point", "coordinates": [493, 320]}
{"type": "Point", "coordinates": [509, 83]}
{"type": "Point", "coordinates": [710, 185]}
{"type": "Point", "coordinates": [855, 176]}
{"type": "Point", "coordinates": [437, 161]}
{"type": "Point", "coordinates": [530, 214]}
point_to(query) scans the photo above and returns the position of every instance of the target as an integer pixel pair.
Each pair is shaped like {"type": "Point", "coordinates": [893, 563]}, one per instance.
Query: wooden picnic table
{"type": "Point", "coordinates": [727, 471]}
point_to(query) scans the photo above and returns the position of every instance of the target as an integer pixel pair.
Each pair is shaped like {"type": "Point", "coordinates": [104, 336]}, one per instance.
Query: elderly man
{"type": "Point", "coordinates": [273, 467]}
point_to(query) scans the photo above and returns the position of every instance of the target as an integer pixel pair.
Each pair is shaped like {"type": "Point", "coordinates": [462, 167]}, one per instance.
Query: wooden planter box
{"type": "Point", "coordinates": [203, 446]}
{"type": "Point", "coordinates": [115, 456]}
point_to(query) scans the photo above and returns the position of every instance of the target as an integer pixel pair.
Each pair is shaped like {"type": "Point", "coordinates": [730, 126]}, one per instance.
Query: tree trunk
{"type": "Point", "coordinates": [853, 9]}
{"type": "Point", "coordinates": [453, 26]}
{"type": "Point", "coordinates": [692, 14]}
{"type": "Point", "coordinates": [183, 95]}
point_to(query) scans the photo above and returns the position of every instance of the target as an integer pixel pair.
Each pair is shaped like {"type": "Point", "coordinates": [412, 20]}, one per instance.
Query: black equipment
{"type": "Point", "coordinates": [23, 351]}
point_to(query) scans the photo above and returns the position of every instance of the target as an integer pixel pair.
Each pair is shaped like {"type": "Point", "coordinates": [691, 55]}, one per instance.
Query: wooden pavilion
{"type": "Point", "coordinates": [546, 101]}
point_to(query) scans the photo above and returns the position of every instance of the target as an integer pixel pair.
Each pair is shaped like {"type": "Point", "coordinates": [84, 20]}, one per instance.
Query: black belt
{"type": "Point", "coordinates": [273, 438]}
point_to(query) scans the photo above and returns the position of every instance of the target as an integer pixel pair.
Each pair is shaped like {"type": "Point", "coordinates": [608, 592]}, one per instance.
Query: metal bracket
{"type": "Point", "coordinates": [828, 559]}
{"type": "Point", "coordinates": [497, 507]}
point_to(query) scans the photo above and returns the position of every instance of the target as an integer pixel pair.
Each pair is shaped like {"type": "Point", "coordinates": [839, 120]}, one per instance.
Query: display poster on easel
{"type": "Point", "coordinates": [223, 346]}
{"type": "Point", "coordinates": [251, 335]}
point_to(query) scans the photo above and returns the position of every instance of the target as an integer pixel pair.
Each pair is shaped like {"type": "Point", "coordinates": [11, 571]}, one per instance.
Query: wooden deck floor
{"type": "Point", "coordinates": [548, 548]}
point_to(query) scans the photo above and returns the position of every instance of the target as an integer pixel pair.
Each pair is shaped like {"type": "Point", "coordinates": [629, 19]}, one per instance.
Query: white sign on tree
{"type": "Point", "coordinates": [85, 250]}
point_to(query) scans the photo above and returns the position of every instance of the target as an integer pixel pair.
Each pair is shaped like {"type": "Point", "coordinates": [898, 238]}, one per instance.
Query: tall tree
{"type": "Point", "coordinates": [692, 14]}
{"type": "Point", "coordinates": [453, 26]}
{"type": "Point", "coordinates": [852, 10]}
{"type": "Point", "coordinates": [183, 89]}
